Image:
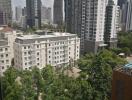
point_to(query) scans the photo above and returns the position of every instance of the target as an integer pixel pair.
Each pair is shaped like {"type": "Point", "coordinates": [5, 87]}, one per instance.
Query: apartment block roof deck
{"type": "Point", "coordinates": [129, 66]}
{"type": "Point", "coordinates": [50, 35]}
{"type": "Point", "coordinates": [126, 69]}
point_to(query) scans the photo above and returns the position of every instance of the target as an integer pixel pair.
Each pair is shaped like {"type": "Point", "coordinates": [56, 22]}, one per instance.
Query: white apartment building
{"type": "Point", "coordinates": [56, 49]}
{"type": "Point", "coordinates": [5, 56]}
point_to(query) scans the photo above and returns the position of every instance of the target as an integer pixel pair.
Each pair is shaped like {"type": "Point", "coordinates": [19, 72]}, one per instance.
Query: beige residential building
{"type": "Point", "coordinates": [56, 49]}
{"type": "Point", "coordinates": [8, 34]}
{"type": "Point", "coordinates": [7, 38]}
{"type": "Point", "coordinates": [5, 56]}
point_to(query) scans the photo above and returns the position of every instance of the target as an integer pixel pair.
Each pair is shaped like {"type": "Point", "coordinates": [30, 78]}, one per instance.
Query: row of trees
{"type": "Point", "coordinates": [94, 82]}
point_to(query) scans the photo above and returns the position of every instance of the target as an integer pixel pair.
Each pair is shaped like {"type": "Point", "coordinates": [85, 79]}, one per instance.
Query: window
{"type": "Point", "coordinates": [6, 49]}
{"type": "Point", "coordinates": [38, 64]}
{"type": "Point", "coordinates": [2, 67]}
{"type": "Point", "coordinates": [25, 63]}
{"type": "Point", "coordinates": [2, 56]}
{"type": "Point", "coordinates": [29, 52]}
{"type": "Point", "coordinates": [6, 55]}
{"type": "Point", "coordinates": [25, 47]}
{"type": "Point", "coordinates": [7, 61]}
{"type": "Point", "coordinates": [38, 53]}
{"type": "Point", "coordinates": [2, 61]}
{"type": "Point", "coordinates": [28, 47]}
{"type": "Point", "coordinates": [1, 49]}
{"type": "Point", "coordinates": [37, 58]}
{"type": "Point", "coordinates": [25, 58]}
{"type": "Point", "coordinates": [8, 66]}
{"type": "Point", "coordinates": [37, 46]}
{"type": "Point", "coordinates": [25, 53]}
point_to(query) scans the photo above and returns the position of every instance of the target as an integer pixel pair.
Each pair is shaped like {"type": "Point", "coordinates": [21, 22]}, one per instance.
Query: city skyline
{"type": "Point", "coordinates": [22, 3]}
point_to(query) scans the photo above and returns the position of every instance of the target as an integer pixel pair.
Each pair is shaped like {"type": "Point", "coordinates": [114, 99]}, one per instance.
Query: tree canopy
{"type": "Point", "coordinates": [125, 42]}
{"type": "Point", "coordinates": [94, 82]}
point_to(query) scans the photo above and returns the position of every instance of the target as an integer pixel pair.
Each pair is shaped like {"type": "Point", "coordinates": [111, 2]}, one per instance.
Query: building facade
{"type": "Point", "coordinates": [3, 18]}
{"type": "Point", "coordinates": [121, 83]}
{"type": "Point", "coordinates": [18, 13]}
{"type": "Point", "coordinates": [33, 8]}
{"type": "Point", "coordinates": [128, 23]}
{"type": "Point", "coordinates": [112, 21]}
{"type": "Point", "coordinates": [56, 49]}
{"type": "Point", "coordinates": [58, 12]}
{"type": "Point", "coordinates": [5, 56]}
{"type": "Point", "coordinates": [46, 15]}
{"type": "Point", "coordinates": [24, 11]}
{"type": "Point", "coordinates": [9, 35]}
{"type": "Point", "coordinates": [5, 12]}
{"type": "Point", "coordinates": [123, 15]}
{"type": "Point", "coordinates": [126, 15]}
{"type": "Point", "coordinates": [7, 38]}
{"type": "Point", "coordinates": [87, 19]}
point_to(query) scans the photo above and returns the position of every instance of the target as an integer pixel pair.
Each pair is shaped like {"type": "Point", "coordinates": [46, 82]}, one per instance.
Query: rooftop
{"type": "Point", "coordinates": [128, 66]}
{"type": "Point", "coordinates": [6, 29]}
{"type": "Point", "coordinates": [127, 69]}
{"type": "Point", "coordinates": [48, 35]}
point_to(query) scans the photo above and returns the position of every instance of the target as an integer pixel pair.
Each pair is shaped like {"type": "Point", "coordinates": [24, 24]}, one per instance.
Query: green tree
{"type": "Point", "coordinates": [38, 81]}
{"type": "Point", "coordinates": [28, 86]}
{"type": "Point", "coordinates": [97, 70]}
{"type": "Point", "coordinates": [11, 89]}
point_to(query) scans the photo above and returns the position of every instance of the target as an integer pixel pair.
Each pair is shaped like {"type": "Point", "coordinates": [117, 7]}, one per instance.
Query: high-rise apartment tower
{"type": "Point", "coordinates": [33, 13]}
{"type": "Point", "coordinates": [5, 12]}
{"type": "Point", "coordinates": [87, 19]}
{"type": "Point", "coordinates": [58, 12]}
